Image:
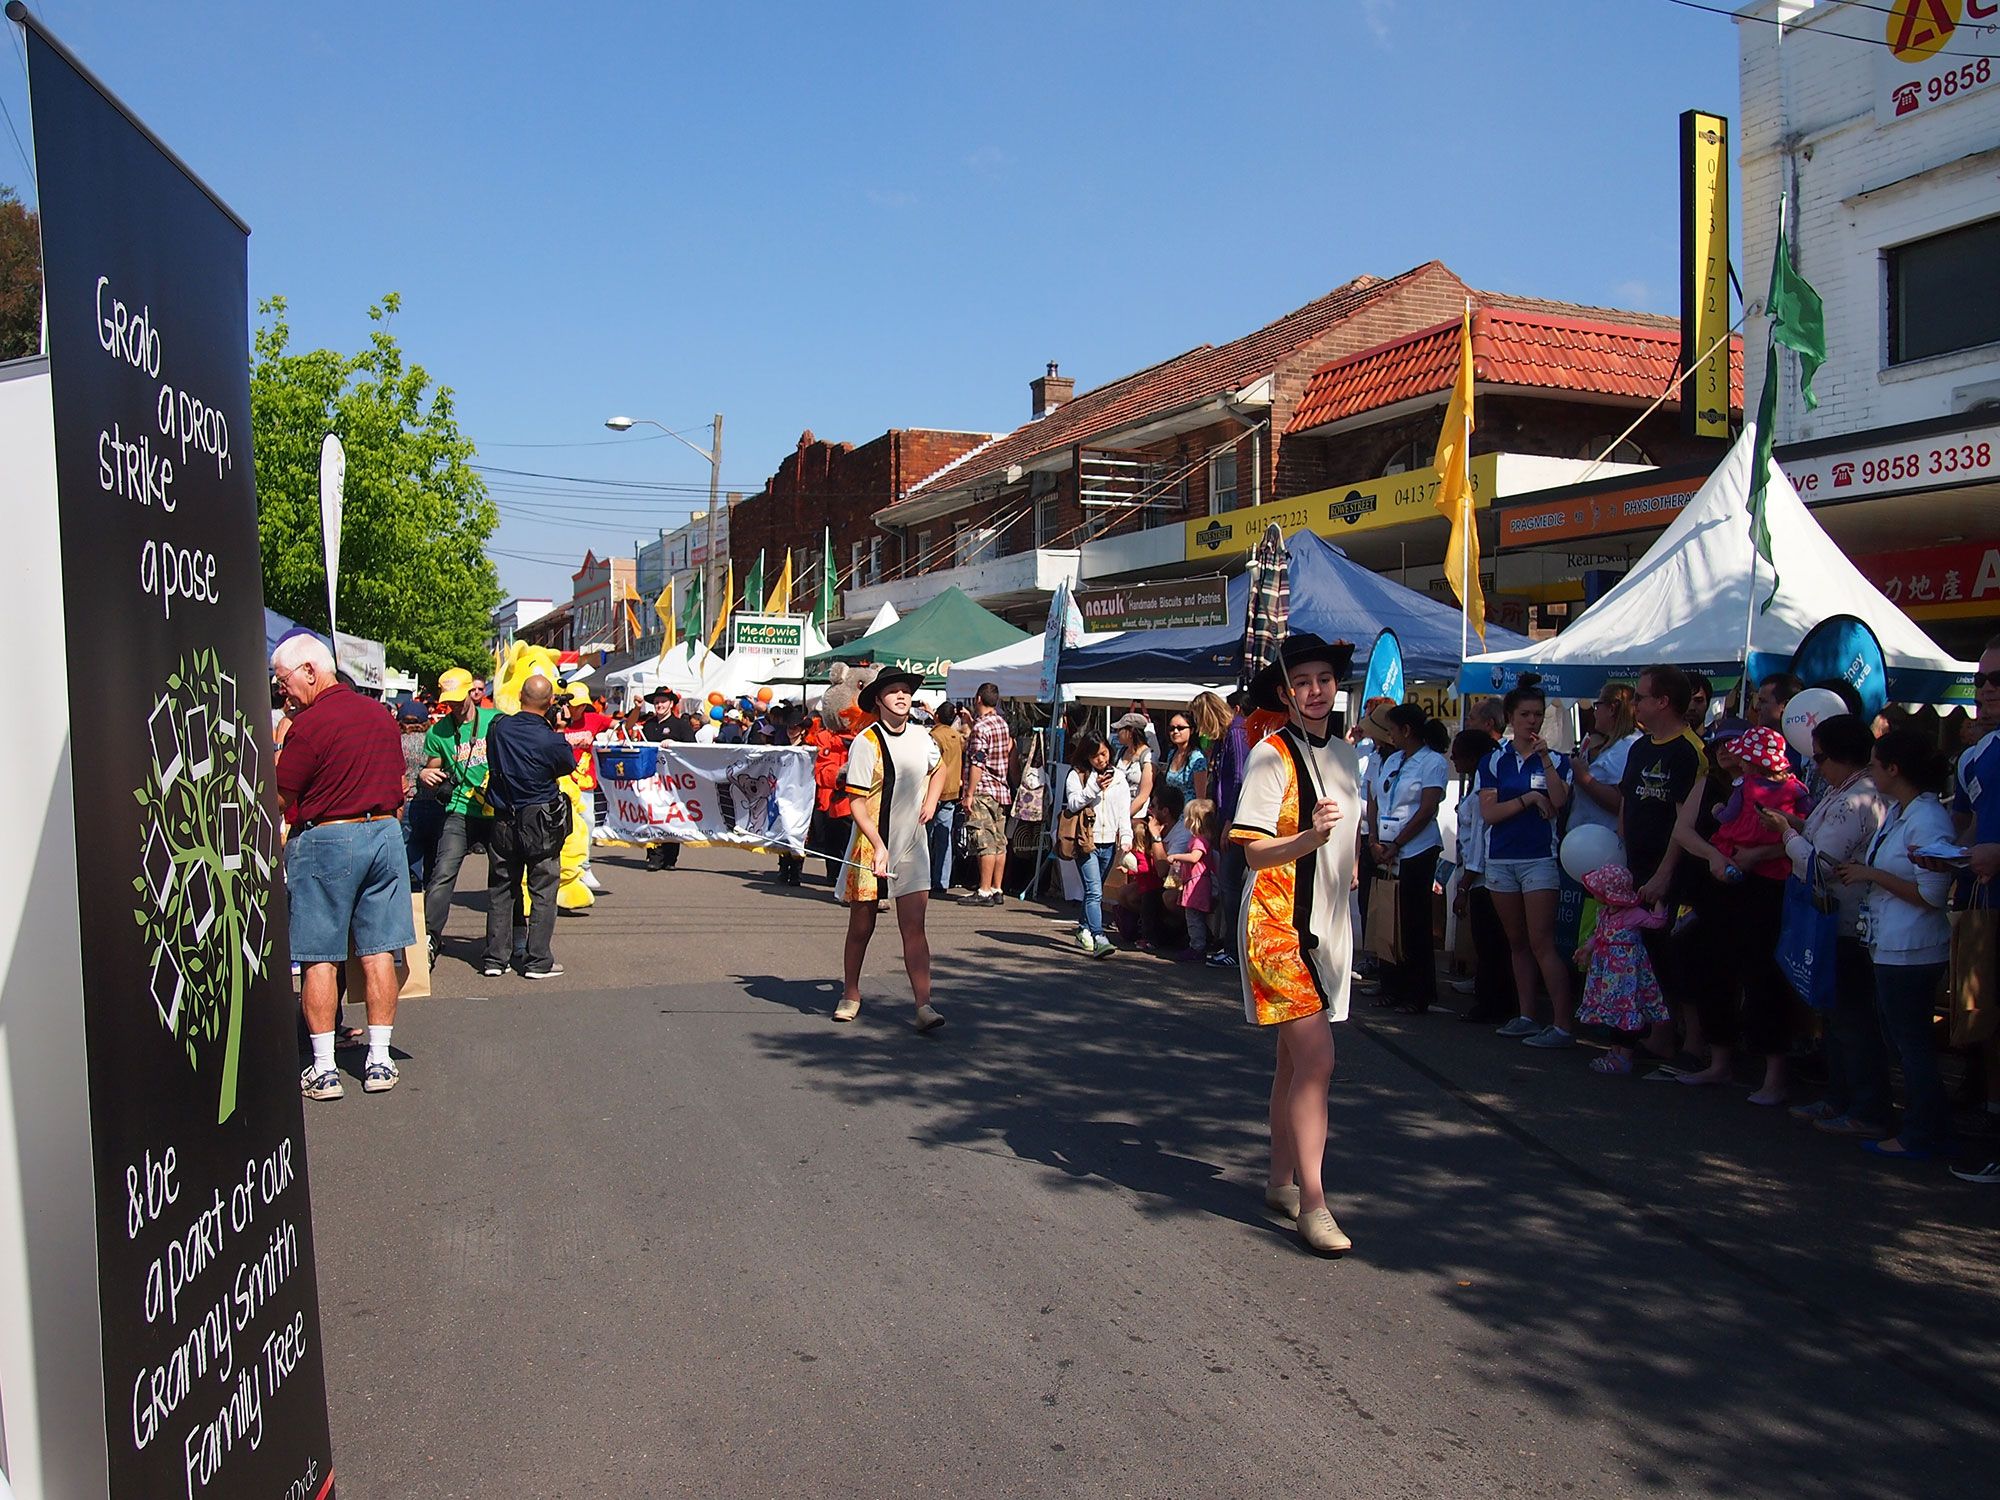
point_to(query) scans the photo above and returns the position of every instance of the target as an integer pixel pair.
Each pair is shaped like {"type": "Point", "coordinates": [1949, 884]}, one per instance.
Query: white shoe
{"type": "Point", "coordinates": [589, 880]}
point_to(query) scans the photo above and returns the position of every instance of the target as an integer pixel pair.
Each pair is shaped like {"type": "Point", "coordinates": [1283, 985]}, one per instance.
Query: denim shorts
{"type": "Point", "coordinates": [348, 881]}
{"type": "Point", "coordinates": [1513, 877]}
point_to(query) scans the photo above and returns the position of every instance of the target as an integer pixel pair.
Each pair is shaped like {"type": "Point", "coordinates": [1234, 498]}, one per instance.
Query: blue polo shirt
{"type": "Point", "coordinates": [1976, 789]}
{"type": "Point", "coordinates": [1526, 835]}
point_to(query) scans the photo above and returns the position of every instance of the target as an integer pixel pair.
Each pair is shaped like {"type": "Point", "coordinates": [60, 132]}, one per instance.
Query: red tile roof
{"type": "Point", "coordinates": [1516, 341]}
{"type": "Point", "coordinates": [1200, 374]}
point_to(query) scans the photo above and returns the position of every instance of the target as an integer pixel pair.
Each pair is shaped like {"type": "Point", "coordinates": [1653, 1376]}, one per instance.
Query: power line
{"type": "Point", "coordinates": [1845, 36]}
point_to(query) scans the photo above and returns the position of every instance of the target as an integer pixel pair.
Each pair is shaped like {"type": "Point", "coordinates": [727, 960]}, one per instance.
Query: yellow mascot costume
{"type": "Point", "coordinates": [524, 661]}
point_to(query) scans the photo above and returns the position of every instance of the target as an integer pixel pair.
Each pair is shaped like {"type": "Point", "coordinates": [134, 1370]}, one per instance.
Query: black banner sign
{"type": "Point", "coordinates": [1154, 606]}
{"type": "Point", "coordinates": [208, 1304]}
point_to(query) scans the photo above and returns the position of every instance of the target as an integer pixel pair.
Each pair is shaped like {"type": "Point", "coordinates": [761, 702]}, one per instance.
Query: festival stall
{"type": "Point", "coordinates": [1331, 596]}
{"type": "Point", "coordinates": [1692, 601]}
{"type": "Point", "coordinates": [943, 630]}
{"type": "Point", "coordinates": [1017, 671]}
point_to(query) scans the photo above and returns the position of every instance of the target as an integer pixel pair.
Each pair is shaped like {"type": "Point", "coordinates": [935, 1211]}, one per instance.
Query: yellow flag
{"type": "Point", "coordinates": [780, 600]}
{"type": "Point", "coordinates": [664, 608]}
{"type": "Point", "coordinates": [728, 603]}
{"type": "Point", "coordinates": [1454, 497]}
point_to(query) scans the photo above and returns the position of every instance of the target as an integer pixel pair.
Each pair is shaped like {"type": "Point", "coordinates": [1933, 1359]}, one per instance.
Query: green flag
{"type": "Point", "coordinates": [753, 585]}
{"type": "Point", "coordinates": [691, 621]}
{"type": "Point", "coordinates": [1798, 321]}
{"type": "Point", "coordinates": [823, 599]}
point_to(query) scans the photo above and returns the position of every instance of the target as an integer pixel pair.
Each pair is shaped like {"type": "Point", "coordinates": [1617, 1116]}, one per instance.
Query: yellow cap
{"type": "Point", "coordinates": [579, 693]}
{"type": "Point", "coordinates": [454, 685]}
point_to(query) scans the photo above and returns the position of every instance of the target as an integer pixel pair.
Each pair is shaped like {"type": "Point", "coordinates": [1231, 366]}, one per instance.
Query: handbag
{"type": "Point", "coordinates": [1383, 935]}
{"type": "Point", "coordinates": [1031, 797]}
{"type": "Point", "coordinates": [1076, 833]}
{"type": "Point", "coordinates": [1806, 937]}
{"type": "Point", "coordinates": [1975, 971]}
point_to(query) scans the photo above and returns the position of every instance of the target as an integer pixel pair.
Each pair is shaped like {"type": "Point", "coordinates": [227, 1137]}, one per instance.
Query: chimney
{"type": "Point", "coordinates": [1051, 391]}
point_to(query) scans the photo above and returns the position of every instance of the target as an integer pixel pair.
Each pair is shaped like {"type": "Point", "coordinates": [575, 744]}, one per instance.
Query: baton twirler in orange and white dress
{"type": "Point", "coordinates": [890, 770]}
{"type": "Point", "coordinates": [1295, 932]}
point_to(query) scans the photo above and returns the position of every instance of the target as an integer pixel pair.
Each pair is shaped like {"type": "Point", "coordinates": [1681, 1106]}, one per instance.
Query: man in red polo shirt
{"type": "Point", "coordinates": [340, 781]}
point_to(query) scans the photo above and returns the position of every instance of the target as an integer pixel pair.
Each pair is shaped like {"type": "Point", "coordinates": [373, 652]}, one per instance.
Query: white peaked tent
{"type": "Point", "coordinates": [1017, 670]}
{"type": "Point", "coordinates": [884, 618]}
{"type": "Point", "coordinates": [1688, 600]}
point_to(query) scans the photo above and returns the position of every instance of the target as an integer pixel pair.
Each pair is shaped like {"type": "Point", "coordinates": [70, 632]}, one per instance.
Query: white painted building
{"type": "Point", "coordinates": [1882, 122]}
{"type": "Point", "coordinates": [511, 616]}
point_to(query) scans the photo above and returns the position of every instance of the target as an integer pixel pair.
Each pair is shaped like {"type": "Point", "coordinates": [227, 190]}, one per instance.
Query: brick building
{"type": "Point", "coordinates": [1127, 479]}
{"type": "Point", "coordinates": [825, 488]}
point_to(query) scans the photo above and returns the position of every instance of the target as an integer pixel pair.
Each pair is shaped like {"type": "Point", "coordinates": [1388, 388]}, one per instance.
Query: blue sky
{"type": "Point", "coordinates": [851, 218]}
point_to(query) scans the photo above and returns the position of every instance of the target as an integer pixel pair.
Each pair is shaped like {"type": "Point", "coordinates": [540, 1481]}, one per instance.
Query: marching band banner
{"type": "Point", "coordinates": [752, 796]}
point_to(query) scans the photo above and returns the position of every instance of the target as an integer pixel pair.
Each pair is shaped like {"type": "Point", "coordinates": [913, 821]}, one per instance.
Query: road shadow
{"type": "Point", "coordinates": [1653, 1267]}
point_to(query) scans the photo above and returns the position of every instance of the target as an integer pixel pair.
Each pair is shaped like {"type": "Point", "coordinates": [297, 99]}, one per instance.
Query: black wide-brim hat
{"type": "Point", "coordinates": [1267, 687]}
{"type": "Point", "coordinates": [893, 677]}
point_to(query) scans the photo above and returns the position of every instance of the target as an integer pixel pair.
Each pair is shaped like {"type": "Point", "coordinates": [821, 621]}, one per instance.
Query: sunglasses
{"type": "Point", "coordinates": [1177, 728]}
{"type": "Point", "coordinates": [1986, 679]}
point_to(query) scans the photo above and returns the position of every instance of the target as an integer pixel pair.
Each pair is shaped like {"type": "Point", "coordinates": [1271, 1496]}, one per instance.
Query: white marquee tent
{"type": "Point", "coordinates": [1689, 599]}
{"type": "Point", "coordinates": [1017, 669]}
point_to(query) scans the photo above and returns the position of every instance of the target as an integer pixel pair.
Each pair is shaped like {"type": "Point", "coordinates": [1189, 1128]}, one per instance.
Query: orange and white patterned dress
{"type": "Point", "coordinates": [889, 771]}
{"type": "Point", "coordinates": [1295, 930]}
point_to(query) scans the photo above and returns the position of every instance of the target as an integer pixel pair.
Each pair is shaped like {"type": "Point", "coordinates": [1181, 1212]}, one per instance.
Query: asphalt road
{"type": "Point", "coordinates": [660, 1228]}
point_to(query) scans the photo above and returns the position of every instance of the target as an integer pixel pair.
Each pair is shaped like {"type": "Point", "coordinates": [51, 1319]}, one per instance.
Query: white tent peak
{"type": "Point", "coordinates": [1687, 600]}
{"type": "Point", "coordinates": [884, 618]}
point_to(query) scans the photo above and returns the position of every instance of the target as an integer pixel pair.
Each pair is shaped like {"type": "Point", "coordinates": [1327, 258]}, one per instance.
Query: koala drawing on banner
{"type": "Point", "coordinates": [749, 798]}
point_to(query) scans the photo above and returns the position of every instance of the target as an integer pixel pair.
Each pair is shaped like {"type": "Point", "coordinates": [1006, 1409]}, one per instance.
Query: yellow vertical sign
{"type": "Point", "coordinates": [1705, 274]}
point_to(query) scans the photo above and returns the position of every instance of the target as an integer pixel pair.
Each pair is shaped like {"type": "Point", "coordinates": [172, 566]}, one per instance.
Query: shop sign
{"type": "Point", "coordinates": [1334, 513]}
{"type": "Point", "coordinates": [1155, 606]}
{"type": "Point", "coordinates": [1962, 578]}
{"type": "Point", "coordinates": [1705, 274]}
{"type": "Point", "coordinates": [781, 636]}
{"type": "Point", "coordinates": [1928, 463]}
{"type": "Point", "coordinates": [1639, 509]}
{"type": "Point", "coordinates": [1931, 55]}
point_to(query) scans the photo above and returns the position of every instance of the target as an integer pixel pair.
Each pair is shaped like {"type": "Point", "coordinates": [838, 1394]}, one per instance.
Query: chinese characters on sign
{"type": "Point", "coordinates": [1960, 579]}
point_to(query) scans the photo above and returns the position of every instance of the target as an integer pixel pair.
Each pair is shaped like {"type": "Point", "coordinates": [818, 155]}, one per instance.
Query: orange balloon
{"type": "Point", "coordinates": [715, 699]}
{"type": "Point", "coordinates": [765, 695]}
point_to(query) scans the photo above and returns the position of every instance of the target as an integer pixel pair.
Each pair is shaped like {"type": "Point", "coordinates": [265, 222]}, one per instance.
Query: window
{"type": "Point", "coordinates": [1942, 293]}
{"type": "Point", "coordinates": [1622, 450]}
{"type": "Point", "coordinates": [921, 563]}
{"type": "Point", "coordinates": [1409, 456]}
{"type": "Point", "coordinates": [854, 563]}
{"type": "Point", "coordinates": [1222, 484]}
{"type": "Point", "coordinates": [874, 559]}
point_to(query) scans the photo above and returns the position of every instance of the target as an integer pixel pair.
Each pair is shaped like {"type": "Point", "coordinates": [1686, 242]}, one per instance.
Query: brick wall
{"type": "Point", "coordinates": [1506, 424]}
{"type": "Point", "coordinates": [837, 486]}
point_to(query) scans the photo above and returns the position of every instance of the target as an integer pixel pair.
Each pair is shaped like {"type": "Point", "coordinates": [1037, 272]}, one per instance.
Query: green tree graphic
{"type": "Point", "coordinates": [206, 846]}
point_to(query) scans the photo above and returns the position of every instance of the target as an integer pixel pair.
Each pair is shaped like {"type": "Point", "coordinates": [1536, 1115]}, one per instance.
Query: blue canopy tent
{"type": "Point", "coordinates": [1332, 597]}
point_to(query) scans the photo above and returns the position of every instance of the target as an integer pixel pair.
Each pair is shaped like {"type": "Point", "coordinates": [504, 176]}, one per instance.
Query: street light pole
{"type": "Point", "coordinates": [713, 454]}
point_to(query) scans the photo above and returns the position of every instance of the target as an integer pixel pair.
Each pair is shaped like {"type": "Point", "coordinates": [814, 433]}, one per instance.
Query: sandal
{"type": "Point", "coordinates": [1614, 1063]}
{"type": "Point", "coordinates": [349, 1036]}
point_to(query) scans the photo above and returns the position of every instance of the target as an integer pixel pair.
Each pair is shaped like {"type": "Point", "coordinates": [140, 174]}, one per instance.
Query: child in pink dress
{"type": "Point", "coordinates": [1622, 991]}
{"type": "Point", "coordinates": [1744, 838]}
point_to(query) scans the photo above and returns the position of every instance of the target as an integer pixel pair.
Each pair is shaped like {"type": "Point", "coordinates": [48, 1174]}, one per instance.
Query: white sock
{"type": "Point", "coordinates": [322, 1051]}
{"type": "Point", "coordinates": [378, 1043]}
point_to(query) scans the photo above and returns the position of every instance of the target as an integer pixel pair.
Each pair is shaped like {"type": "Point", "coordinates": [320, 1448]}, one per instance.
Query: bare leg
{"type": "Point", "coordinates": [1512, 910]}
{"type": "Point", "coordinates": [860, 928]}
{"type": "Point", "coordinates": [1309, 1040]}
{"type": "Point", "coordinates": [1540, 907]}
{"type": "Point", "coordinates": [1284, 1154]}
{"type": "Point", "coordinates": [916, 945]}
{"type": "Point", "coordinates": [378, 972]}
{"type": "Point", "coordinates": [992, 870]}
{"type": "Point", "coordinates": [1776, 1078]}
{"type": "Point", "coordinates": [319, 997]}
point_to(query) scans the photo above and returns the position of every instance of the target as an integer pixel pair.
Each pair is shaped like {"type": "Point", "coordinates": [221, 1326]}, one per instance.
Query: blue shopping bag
{"type": "Point", "coordinates": [1806, 938]}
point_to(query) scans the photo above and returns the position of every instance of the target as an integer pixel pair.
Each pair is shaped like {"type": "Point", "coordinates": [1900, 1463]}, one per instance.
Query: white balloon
{"type": "Point", "coordinates": [1804, 713]}
{"type": "Point", "coordinates": [1590, 846]}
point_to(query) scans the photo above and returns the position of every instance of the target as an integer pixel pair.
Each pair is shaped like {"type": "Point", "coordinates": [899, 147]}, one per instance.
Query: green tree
{"type": "Point", "coordinates": [413, 571]}
{"type": "Point", "coordinates": [20, 278]}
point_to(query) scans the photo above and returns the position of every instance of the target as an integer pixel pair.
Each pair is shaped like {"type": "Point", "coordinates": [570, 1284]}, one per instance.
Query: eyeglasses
{"type": "Point", "coordinates": [1177, 728]}
{"type": "Point", "coordinates": [1986, 679]}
